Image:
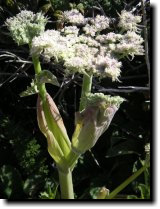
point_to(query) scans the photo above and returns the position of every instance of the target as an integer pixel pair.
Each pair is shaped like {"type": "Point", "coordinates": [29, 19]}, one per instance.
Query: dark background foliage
{"type": "Point", "coordinates": [26, 169]}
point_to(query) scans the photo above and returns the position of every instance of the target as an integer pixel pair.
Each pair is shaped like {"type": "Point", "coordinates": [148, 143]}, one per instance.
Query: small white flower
{"type": "Point", "coordinates": [70, 30]}
{"type": "Point", "coordinates": [75, 64]}
{"type": "Point", "coordinates": [100, 22]}
{"type": "Point", "coordinates": [107, 67]}
{"type": "Point", "coordinates": [128, 21]}
{"type": "Point", "coordinates": [89, 41]}
{"type": "Point", "coordinates": [109, 38]}
{"type": "Point", "coordinates": [74, 16]}
{"type": "Point", "coordinates": [90, 30]}
{"type": "Point", "coordinates": [112, 47]}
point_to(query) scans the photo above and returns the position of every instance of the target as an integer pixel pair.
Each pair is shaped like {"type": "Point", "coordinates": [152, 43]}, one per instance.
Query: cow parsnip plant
{"type": "Point", "coordinates": [88, 46]}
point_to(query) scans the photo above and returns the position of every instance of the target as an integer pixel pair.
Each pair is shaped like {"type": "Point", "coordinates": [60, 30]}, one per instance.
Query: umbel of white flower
{"type": "Point", "coordinates": [74, 16]}
{"type": "Point", "coordinates": [85, 50]}
{"type": "Point", "coordinates": [90, 49]}
{"type": "Point", "coordinates": [128, 21]}
{"type": "Point", "coordinates": [26, 25]}
{"type": "Point", "coordinates": [130, 44]}
{"type": "Point", "coordinates": [94, 120]}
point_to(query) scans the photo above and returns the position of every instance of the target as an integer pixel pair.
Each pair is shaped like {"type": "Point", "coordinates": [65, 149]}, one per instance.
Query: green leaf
{"type": "Point", "coordinates": [94, 192]}
{"type": "Point", "coordinates": [50, 191]}
{"type": "Point", "coordinates": [10, 3]}
{"type": "Point", "coordinates": [80, 7]}
{"type": "Point", "coordinates": [71, 5]}
{"type": "Point", "coordinates": [45, 8]}
{"type": "Point", "coordinates": [132, 197]}
{"type": "Point", "coordinates": [32, 184]}
{"type": "Point", "coordinates": [30, 90]}
{"type": "Point", "coordinates": [59, 14]}
{"type": "Point", "coordinates": [145, 191]}
{"type": "Point", "coordinates": [46, 76]}
{"type": "Point", "coordinates": [11, 182]}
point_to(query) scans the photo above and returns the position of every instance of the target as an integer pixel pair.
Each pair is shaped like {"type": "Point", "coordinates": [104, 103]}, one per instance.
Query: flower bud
{"type": "Point", "coordinates": [102, 193]}
{"type": "Point", "coordinates": [93, 121]}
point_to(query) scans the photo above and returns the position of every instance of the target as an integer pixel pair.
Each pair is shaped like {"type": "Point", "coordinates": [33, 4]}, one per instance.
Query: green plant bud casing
{"type": "Point", "coordinates": [91, 123]}
{"type": "Point", "coordinates": [52, 131]}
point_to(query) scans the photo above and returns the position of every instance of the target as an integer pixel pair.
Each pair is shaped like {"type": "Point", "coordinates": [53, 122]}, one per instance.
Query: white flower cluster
{"type": "Point", "coordinates": [90, 30]}
{"type": "Point", "coordinates": [130, 44]}
{"type": "Point", "coordinates": [107, 66]}
{"type": "Point", "coordinates": [76, 55]}
{"type": "Point", "coordinates": [109, 38]}
{"type": "Point", "coordinates": [26, 25]}
{"type": "Point", "coordinates": [82, 55]}
{"type": "Point", "coordinates": [74, 16]}
{"type": "Point", "coordinates": [128, 21]}
{"type": "Point", "coordinates": [70, 30]}
{"type": "Point", "coordinates": [98, 24]}
{"type": "Point", "coordinates": [88, 40]}
{"type": "Point", "coordinates": [51, 44]}
{"type": "Point", "coordinates": [95, 98]}
{"type": "Point", "coordinates": [79, 61]}
{"type": "Point", "coordinates": [85, 50]}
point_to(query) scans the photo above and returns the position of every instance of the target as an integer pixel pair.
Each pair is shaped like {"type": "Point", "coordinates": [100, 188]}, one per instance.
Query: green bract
{"type": "Point", "coordinates": [51, 125]}
{"type": "Point", "coordinates": [26, 25]}
{"type": "Point", "coordinates": [94, 120]}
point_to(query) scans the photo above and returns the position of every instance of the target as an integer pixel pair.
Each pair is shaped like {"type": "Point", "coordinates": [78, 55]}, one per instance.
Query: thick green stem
{"type": "Point", "coordinates": [86, 88]}
{"type": "Point", "coordinates": [66, 185]}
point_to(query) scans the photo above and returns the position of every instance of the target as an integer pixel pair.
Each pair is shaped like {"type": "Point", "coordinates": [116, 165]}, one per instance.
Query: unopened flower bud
{"type": "Point", "coordinates": [103, 193]}
{"type": "Point", "coordinates": [93, 121]}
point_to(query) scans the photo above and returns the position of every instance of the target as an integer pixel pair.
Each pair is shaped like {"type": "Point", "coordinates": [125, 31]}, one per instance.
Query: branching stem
{"type": "Point", "coordinates": [86, 88]}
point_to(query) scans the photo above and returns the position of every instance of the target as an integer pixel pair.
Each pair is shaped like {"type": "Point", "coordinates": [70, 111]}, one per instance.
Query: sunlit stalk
{"type": "Point", "coordinates": [66, 185]}
{"type": "Point", "coordinates": [86, 88]}
{"type": "Point", "coordinates": [126, 182]}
